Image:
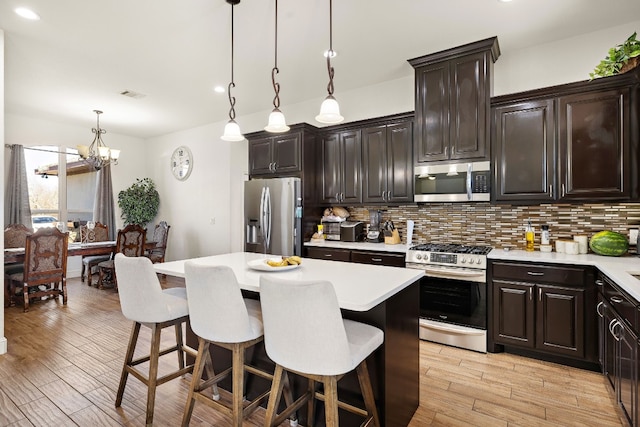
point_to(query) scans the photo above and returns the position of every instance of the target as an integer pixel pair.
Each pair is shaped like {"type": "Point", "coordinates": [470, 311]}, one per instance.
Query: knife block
{"type": "Point", "coordinates": [394, 239]}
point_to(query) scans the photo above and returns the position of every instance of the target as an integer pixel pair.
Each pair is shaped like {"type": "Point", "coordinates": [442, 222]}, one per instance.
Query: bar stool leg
{"type": "Point", "coordinates": [203, 350]}
{"type": "Point", "coordinates": [367, 392]}
{"type": "Point", "coordinates": [133, 339]}
{"type": "Point", "coordinates": [180, 344]}
{"type": "Point", "coordinates": [311, 407]}
{"type": "Point", "coordinates": [153, 371]}
{"type": "Point", "coordinates": [331, 400]}
{"type": "Point", "coordinates": [274, 396]}
{"type": "Point", "coordinates": [238, 383]}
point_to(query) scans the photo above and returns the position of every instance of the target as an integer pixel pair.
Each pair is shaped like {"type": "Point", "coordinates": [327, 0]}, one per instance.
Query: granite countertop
{"type": "Point", "coordinates": [364, 246]}
{"type": "Point", "coordinates": [618, 269]}
{"type": "Point", "coordinates": [359, 287]}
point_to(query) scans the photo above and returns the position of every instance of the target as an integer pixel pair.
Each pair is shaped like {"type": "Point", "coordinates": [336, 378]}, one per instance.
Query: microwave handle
{"type": "Point", "coordinates": [469, 192]}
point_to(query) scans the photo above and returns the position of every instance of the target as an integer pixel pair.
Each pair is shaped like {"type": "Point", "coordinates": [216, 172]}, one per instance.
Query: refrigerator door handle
{"type": "Point", "coordinates": [267, 218]}
{"type": "Point", "coordinates": [262, 223]}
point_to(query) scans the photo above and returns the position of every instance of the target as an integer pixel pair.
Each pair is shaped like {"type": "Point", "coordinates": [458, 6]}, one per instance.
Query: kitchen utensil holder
{"type": "Point", "coordinates": [394, 239]}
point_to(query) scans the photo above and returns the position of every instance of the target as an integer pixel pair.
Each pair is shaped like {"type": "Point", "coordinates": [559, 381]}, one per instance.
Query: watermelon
{"type": "Point", "coordinates": [609, 243]}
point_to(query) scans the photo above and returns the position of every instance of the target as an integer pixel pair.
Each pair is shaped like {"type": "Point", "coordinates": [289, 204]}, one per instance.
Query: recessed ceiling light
{"type": "Point", "coordinates": [504, 1]}
{"type": "Point", "coordinates": [27, 13]}
{"type": "Point", "coordinates": [219, 89]}
{"type": "Point", "coordinates": [333, 53]}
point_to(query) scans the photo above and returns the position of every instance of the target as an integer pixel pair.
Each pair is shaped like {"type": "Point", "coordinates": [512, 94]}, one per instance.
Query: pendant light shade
{"type": "Point", "coordinates": [330, 110]}
{"type": "Point", "coordinates": [277, 123]}
{"type": "Point", "coordinates": [231, 129]}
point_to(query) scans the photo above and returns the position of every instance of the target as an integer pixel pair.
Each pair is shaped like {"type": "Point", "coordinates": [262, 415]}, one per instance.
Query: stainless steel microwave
{"type": "Point", "coordinates": [453, 182]}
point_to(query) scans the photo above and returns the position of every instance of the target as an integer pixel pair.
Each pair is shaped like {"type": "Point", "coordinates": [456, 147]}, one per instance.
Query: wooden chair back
{"type": "Point", "coordinates": [100, 233]}
{"type": "Point", "coordinates": [161, 236]}
{"type": "Point", "coordinates": [131, 240]}
{"type": "Point", "coordinates": [15, 235]}
{"type": "Point", "coordinates": [45, 257]}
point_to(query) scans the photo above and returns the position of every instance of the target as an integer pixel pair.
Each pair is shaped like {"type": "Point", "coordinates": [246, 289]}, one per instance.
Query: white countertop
{"type": "Point", "coordinates": [364, 246]}
{"type": "Point", "coordinates": [359, 287]}
{"type": "Point", "coordinates": [618, 269]}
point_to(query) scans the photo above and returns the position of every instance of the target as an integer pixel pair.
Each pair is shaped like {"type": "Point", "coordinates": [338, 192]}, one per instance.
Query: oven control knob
{"type": "Point", "coordinates": [478, 261]}
{"type": "Point", "coordinates": [418, 256]}
{"type": "Point", "coordinates": [464, 260]}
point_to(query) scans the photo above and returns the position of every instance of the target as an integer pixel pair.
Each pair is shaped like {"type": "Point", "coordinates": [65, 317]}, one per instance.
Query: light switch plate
{"type": "Point", "coordinates": [633, 236]}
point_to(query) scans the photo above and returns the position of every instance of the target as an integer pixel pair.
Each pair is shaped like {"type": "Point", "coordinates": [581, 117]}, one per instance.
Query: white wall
{"type": "Point", "coordinates": [131, 165]}
{"type": "Point", "coordinates": [3, 340]}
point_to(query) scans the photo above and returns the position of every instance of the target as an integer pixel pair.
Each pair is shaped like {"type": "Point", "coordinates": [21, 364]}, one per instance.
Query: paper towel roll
{"type": "Point", "coordinates": [409, 231]}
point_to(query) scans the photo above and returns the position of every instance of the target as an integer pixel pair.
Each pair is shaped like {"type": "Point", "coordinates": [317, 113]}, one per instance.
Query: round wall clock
{"type": "Point", "coordinates": [181, 163]}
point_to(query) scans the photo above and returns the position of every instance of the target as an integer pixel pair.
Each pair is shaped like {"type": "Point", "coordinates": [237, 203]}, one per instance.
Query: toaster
{"type": "Point", "coordinates": [351, 231]}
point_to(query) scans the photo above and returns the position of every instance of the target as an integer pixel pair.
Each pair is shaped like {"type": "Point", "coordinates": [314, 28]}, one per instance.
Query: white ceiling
{"type": "Point", "coordinates": [83, 53]}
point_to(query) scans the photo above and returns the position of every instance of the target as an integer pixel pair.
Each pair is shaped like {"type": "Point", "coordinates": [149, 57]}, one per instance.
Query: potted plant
{"type": "Point", "coordinates": [139, 203]}
{"type": "Point", "coordinates": [620, 59]}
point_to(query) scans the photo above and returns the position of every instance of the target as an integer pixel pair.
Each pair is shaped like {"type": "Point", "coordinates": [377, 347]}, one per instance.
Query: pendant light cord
{"type": "Point", "coordinates": [329, 67]}
{"type": "Point", "coordinates": [276, 86]}
{"type": "Point", "coordinates": [232, 99]}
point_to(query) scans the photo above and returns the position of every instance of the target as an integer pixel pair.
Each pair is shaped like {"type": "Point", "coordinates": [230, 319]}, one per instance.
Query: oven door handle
{"type": "Point", "coordinates": [456, 273]}
{"type": "Point", "coordinates": [451, 329]}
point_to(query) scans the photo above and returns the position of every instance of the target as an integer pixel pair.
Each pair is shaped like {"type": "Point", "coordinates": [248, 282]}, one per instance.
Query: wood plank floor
{"type": "Point", "coordinates": [64, 363]}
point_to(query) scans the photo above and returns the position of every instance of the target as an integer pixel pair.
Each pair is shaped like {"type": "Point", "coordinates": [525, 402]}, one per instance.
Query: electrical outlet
{"type": "Point", "coordinates": [212, 221]}
{"type": "Point", "coordinates": [633, 236]}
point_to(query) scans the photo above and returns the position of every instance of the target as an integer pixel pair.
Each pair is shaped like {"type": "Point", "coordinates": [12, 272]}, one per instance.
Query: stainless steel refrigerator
{"type": "Point", "coordinates": [273, 216]}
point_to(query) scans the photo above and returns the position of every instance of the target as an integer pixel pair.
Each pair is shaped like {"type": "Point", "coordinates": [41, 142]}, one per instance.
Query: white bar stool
{"type": "Point", "coordinates": [143, 301]}
{"type": "Point", "coordinates": [326, 347]}
{"type": "Point", "coordinates": [221, 316]}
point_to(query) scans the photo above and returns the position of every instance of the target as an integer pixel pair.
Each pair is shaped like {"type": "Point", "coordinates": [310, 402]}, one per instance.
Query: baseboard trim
{"type": "Point", "coordinates": [3, 345]}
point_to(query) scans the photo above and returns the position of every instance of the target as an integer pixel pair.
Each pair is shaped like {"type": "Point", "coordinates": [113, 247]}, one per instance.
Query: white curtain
{"type": "Point", "coordinates": [16, 203]}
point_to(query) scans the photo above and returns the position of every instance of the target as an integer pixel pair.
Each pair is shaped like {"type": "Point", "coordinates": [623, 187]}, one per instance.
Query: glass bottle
{"type": "Point", "coordinates": [544, 235]}
{"type": "Point", "coordinates": [529, 236]}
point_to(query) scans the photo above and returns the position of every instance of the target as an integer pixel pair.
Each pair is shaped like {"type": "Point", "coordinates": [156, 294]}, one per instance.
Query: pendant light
{"type": "Point", "coordinates": [330, 110]}
{"type": "Point", "coordinates": [231, 129]}
{"type": "Point", "coordinates": [277, 122]}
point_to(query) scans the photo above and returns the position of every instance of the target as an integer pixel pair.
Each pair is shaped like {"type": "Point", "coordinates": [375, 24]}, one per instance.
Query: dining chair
{"type": "Point", "coordinates": [144, 302]}
{"type": "Point", "coordinates": [99, 233]}
{"type": "Point", "coordinates": [129, 242]}
{"type": "Point", "coordinates": [45, 267]}
{"type": "Point", "coordinates": [304, 333]}
{"type": "Point", "coordinates": [160, 237]}
{"type": "Point", "coordinates": [15, 236]}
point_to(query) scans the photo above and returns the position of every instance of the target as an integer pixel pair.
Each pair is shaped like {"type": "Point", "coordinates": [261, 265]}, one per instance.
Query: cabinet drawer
{"type": "Point", "coordinates": [378, 258]}
{"type": "Point", "coordinates": [329, 254]}
{"type": "Point", "coordinates": [567, 276]}
{"type": "Point", "coordinates": [624, 305]}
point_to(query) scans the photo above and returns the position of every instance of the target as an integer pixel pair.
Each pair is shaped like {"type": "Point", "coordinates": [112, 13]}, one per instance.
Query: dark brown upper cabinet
{"type": "Point", "coordinates": [452, 98]}
{"type": "Point", "coordinates": [573, 142]}
{"type": "Point", "coordinates": [387, 159]}
{"type": "Point", "coordinates": [275, 155]}
{"type": "Point", "coordinates": [340, 165]}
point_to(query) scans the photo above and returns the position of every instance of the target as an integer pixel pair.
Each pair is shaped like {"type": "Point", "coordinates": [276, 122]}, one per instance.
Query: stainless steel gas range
{"type": "Point", "coordinates": [453, 293]}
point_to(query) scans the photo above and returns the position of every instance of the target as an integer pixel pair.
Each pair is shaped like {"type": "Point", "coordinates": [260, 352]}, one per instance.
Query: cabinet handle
{"type": "Point", "coordinates": [337, 197]}
{"type": "Point", "coordinates": [535, 273]}
{"type": "Point", "coordinates": [328, 255]}
{"type": "Point", "coordinates": [539, 294]}
{"type": "Point", "coordinates": [530, 294]}
{"type": "Point", "coordinates": [562, 190]}
{"type": "Point", "coordinates": [551, 191]}
{"type": "Point", "coordinates": [388, 195]}
{"type": "Point", "coordinates": [342, 197]}
{"type": "Point", "coordinates": [600, 304]}
{"type": "Point", "coordinates": [599, 282]}
{"type": "Point", "coordinates": [275, 166]}
{"type": "Point", "coordinates": [613, 330]}
{"type": "Point", "coordinates": [376, 259]}
{"type": "Point", "coordinates": [616, 300]}
{"type": "Point", "coordinates": [611, 325]}
{"type": "Point", "coordinates": [384, 196]}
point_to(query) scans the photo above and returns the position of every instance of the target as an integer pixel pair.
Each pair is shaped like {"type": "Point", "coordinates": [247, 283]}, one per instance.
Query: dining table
{"type": "Point", "coordinates": [386, 297]}
{"type": "Point", "coordinates": [16, 255]}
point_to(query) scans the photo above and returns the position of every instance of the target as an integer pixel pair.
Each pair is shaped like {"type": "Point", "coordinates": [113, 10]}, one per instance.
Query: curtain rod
{"type": "Point", "coordinates": [42, 149]}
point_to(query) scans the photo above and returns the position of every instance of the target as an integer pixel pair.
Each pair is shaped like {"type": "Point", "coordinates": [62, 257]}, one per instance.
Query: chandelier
{"type": "Point", "coordinates": [232, 129]}
{"type": "Point", "coordinates": [276, 122]}
{"type": "Point", "coordinates": [330, 110]}
{"type": "Point", "coordinates": [98, 154]}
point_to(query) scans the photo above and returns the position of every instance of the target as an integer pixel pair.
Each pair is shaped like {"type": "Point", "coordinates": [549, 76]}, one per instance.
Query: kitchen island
{"type": "Point", "coordinates": [386, 297]}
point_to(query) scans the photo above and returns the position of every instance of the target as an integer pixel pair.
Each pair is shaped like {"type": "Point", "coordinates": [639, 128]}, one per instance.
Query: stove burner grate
{"type": "Point", "coordinates": [453, 248]}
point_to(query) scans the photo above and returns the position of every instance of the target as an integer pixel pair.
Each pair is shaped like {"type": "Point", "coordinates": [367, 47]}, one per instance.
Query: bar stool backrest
{"type": "Point", "coordinates": [303, 326]}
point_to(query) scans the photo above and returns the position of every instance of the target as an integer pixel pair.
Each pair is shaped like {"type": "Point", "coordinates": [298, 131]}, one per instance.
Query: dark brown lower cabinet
{"type": "Point", "coordinates": [619, 345]}
{"type": "Point", "coordinates": [543, 309]}
{"type": "Point", "coordinates": [388, 259]}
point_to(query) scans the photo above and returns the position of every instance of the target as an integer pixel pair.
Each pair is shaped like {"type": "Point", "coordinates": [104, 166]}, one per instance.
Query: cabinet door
{"type": "Point", "coordinates": [378, 258]}
{"type": "Point", "coordinates": [524, 151]}
{"type": "Point", "coordinates": [331, 169]}
{"type": "Point", "coordinates": [432, 112]}
{"type": "Point", "coordinates": [287, 153]}
{"type": "Point", "coordinates": [260, 156]}
{"type": "Point", "coordinates": [351, 154]}
{"type": "Point", "coordinates": [330, 254]}
{"type": "Point", "coordinates": [627, 365]}
{"type": "Point", "coordinates": [469, 115]}
{"type": "Point", "coordinates": [513, 313]}
{"type": "Point", "coordinates": [400, 162]}
{"type": "Point", "coordinates": [560, 320]}
{"type": "Point", "coordinates": [594, 145]}
{"type": "Point", "coordinates": [374, 160]}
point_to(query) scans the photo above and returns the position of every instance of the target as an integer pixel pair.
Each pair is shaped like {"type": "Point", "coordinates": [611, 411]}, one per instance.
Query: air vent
{"type": "Point", "coordinates": [132, 94]}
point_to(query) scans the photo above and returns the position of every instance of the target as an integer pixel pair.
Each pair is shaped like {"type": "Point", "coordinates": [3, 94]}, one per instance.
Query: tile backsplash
{"type": "Point", "coordinates": [502, 226]}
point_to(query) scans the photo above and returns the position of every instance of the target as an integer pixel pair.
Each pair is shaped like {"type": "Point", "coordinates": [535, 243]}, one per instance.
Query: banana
{"type": "Point", "coordinates": [276, 263]}
{"type": "Point", "coordinates": [294, 260]}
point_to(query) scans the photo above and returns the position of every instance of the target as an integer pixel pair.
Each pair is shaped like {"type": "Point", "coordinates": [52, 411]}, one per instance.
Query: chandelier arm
{"type": "Point", "coordinates": [232, 102]}
{"type": "Point", "coordinates": [276, 88]}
